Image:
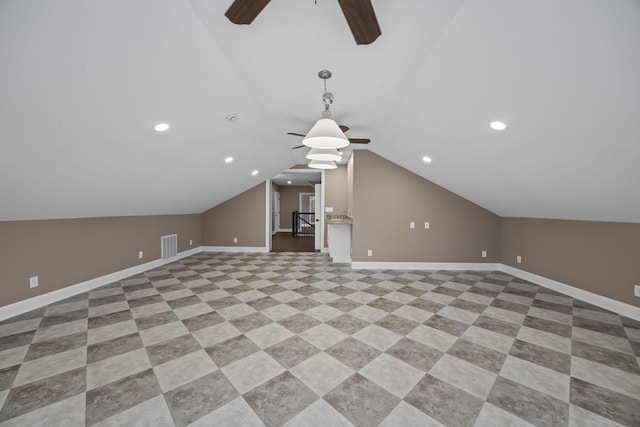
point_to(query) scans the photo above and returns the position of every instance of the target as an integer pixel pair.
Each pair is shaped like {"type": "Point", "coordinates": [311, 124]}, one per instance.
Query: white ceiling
{"type": "Point", "coordinates": [82, 84]}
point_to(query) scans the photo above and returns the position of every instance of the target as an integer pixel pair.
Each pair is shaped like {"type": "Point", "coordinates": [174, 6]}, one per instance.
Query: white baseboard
{"type": "Point", "coordinates": [480, 266]}
{"type": "Point", "coordinates": [284, 230]}
{"type": "Point", "coordinates": [619, 307]}
{"type": "Point", "coordinates": [234, 249]}
{"type": "Point", "coordinates": [24, 306]}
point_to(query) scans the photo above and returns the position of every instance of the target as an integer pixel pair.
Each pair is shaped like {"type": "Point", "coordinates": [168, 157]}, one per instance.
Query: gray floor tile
{"type": "Point", "coordinates": [29, 397]}
{"type": "Point", "coordinates": [172, 349]}
{"type": "Point", "coordinates": [361, 401]}
{"type": "Point", "coordinates": [605, 402]}
{"type": "Point", "coordinates": [291, 351]}
{"type": "Point", "coordinates": [444, 402]}
{"type": "Point", "coordinates": [58, 345]}
{"type": "Point", "coordinates": [415, 354]}
{"type": "Point", "coordinates": [231, 350]}
{"type": "Point", "coordinates": [280, 399]}
{"type": "Point", "coordinates": [549, 358]}
{"type": "Point", "coordinates": [496, 325]}
{"type": "Point", "coordinates": [397, 324]}
{"type": "Point", "coordinates": [110, 348]}
{"type": "Point", "coordinates": [157, 319]}
{"type": "Point", "coordinates": [479, 355]}
{"type": "Point", "coordinates": [353, 353]}
{"type": "Point", "coordinates": [445, 324]}
{"type": "Point", "coordinates": [199, 397]}
{"type": "Point", "coordinates": [299, 323]}
{"type": "Point", "coordinates": [528, 404]}
{"type": "Point", "coordinates": [605, 356]}
{"type": "Point", "coordinates": [108, 319]}
{"type": "Point", "coordinates": [347, 324]}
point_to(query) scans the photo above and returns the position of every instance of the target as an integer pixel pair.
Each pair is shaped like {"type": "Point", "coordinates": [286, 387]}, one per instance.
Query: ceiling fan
{"type": "Point", "coordinates": [327, 98]}
{"type": "Point", "coordinates": [359, 15]}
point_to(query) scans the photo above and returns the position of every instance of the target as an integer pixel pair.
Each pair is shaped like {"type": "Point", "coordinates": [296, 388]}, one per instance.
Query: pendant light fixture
{"type": "Point", "coordinates": [326, 133]}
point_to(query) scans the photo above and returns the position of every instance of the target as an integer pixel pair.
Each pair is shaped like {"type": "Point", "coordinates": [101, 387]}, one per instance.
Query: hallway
{"type": "Point", "coordinates": [285, 242]}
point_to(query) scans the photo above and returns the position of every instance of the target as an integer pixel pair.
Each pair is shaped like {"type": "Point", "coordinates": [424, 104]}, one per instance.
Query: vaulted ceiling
{"type": "Point", "coordinates": [82, 83]}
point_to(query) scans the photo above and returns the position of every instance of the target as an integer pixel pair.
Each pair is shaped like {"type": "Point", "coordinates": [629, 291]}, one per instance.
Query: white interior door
{"type": "Point", "coordinates": [318, 211]}
{"type": "Point", "coordinates": [276, 211]}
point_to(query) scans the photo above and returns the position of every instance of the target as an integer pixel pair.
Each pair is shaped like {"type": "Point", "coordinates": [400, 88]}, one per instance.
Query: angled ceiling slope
{"type": "Point", "coordinates": [83, 83]}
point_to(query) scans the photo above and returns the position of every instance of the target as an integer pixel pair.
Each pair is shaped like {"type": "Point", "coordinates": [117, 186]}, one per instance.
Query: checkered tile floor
{"type": "Point", "coordinates": [291, 339]}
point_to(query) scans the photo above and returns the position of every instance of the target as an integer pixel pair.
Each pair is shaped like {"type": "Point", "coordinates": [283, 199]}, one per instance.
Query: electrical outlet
{"type": "Point", "coordinates": [190, 242]}
{"type": "Point", "coordinates": [412, 224]}
{"type": "Point", "coordinates": [426, 225]}
{"type": "Point", "coordinates": [484, 254]}
{"type": "Point", "coordinates": [636, 291]}
{"type": "Point", "coordinates": [370, 252]}
{"type": "Point", "coordinates": [519, 259]}
{"type": "Point", "coordinates": [140, 254]}
{"type": "Point", "coordinates": [33, 282]}
{"type": "Point", "coordinates": [235, 240]}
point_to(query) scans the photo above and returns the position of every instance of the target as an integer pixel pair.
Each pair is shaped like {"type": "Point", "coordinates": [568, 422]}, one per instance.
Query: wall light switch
{"type": "Point", "coordinates": [519, 259]}
{"type": "Point", "coordinates": [235, 240]}
{"type": "Point", "coordinates": [140, 254]}
{"type": "Point", "coordinates": [484, 254]}
{"type": "Point", "coordinates": [370, 252]}
{"type": "Point", "coordinates": [33, 282]}
{"type": "Point", "coordinates": [190, 242]}
{"type": "Point", "coordinates": [412, 224]}
{"type": "Point", "coordinates": [426, 224]}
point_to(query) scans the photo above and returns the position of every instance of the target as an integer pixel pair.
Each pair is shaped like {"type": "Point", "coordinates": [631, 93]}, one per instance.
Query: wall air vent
{"type": "Point", "coordinates": [169, 246]}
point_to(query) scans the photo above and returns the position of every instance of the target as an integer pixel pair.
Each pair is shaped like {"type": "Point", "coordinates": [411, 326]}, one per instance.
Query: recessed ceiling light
{"type": "Point", "coordinates": [161, 127]}
{"type": "Point", "coordinates": [498, 125]}
{"type": "Point", "coordinates": [426, 159]}
{"type": "Point", "coordinates": [255, 172]}
{"type": "Point", "coordinates": [228, 159]}
{"type": "Point", "coordinates": [288, 182]}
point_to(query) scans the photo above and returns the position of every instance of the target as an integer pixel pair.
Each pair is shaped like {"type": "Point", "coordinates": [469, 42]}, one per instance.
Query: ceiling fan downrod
{"type": "Point", "coordinates": [327, 97]}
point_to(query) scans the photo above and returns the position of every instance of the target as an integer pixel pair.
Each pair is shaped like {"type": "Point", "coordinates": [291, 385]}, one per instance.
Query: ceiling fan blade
{"type": "Point", "coordinates": [361, 19]}
{"type": "Point", "coordinates": [344, 128]}
{"type": "Point", "coordinates": [299, 146]}
{"type": "Point", "coordinates": [245, 11]}
{"type": "Point", "coordinates": [359, 140]}
{"type": "Point", "coordinates": [296, 134]}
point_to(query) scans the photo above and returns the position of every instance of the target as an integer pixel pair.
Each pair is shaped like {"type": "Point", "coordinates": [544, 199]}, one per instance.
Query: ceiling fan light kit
{"type": "Point", "coordinates": [322, 164]}
{"type": "Point", "coordinates": [325, 134]}
{"type": "Point", "coordinates": [324, 154]}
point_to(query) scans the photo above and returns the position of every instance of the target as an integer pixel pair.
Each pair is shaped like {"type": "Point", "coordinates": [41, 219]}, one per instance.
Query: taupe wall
{"type": "Point", "coordinates": [242, 216]}
{"type": "Point", "coordinates": [66, 252]}
{"type": "Point", "coordinates": [599, 257]}
{"type": "Point", "coordinates": [386, 197]}
{"type": "Point", "coordinates": [335, 192]}
{"type": "Point", "coordinates": [290, 201]}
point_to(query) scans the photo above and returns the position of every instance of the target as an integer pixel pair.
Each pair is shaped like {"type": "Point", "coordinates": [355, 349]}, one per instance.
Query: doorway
{"type": "Point", "coordinates": [295, 191]}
